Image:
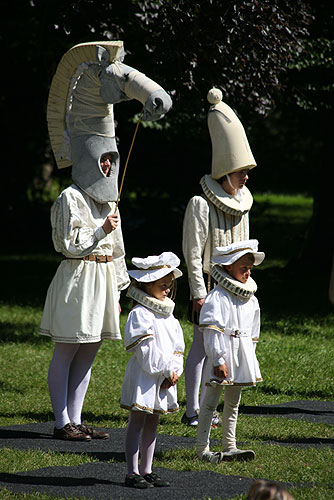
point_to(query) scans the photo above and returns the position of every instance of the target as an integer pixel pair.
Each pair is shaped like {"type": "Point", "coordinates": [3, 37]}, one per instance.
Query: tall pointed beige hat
{"type": "Point", "coordinates": [230, 148]}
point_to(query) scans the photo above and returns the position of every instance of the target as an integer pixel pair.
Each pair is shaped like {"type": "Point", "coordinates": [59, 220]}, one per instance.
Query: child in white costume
{"type": "Point", "coordinates": [217, 217]}
{"type": "Point", "coordinates": [230, 321]}
{"type": "Point", "coordinates": [155, 337]}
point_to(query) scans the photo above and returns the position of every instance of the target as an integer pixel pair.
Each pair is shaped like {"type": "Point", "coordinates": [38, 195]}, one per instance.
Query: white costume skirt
{"type": "Point", "coordinates": [81, 305]}
{"type": "Point", "coordinates": [141, 391]}
{"type": "Point", "coordinates": [242, 364]}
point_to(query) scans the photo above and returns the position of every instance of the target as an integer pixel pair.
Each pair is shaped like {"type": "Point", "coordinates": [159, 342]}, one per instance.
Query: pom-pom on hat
{"type": "Point", "coordinates": [225, 256]}
{"type": "Point", "coordinates": [154, 267]}
{"type": "Point", "coordinates": [230, 148]}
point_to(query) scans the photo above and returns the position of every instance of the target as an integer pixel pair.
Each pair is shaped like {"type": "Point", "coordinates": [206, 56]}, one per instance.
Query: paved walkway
{"type": "Point", "coordinates": [103, 480]}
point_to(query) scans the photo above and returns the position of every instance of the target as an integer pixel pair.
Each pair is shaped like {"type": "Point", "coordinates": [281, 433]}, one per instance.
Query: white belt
{"type": "Point", "coordinates": [235, 336]}
{"type": "Point", "coordinates": [237, 333]}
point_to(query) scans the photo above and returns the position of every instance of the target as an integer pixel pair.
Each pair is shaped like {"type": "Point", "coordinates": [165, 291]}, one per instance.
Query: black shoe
{"type": "Point", "coordinates": [70, 432]}
{"type": "Point", "coordinates": [137, 481]}
{"type": "Point", "coordinates": [93, 433]}
{"type": "Point", "coordinates": [192, 421]}
{"type": "Point", "coordinates": [155, 480]}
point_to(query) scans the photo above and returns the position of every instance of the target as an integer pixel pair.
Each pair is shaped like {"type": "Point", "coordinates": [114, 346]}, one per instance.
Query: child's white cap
{"type": "Point", "coordinates": [154, 267]}
{"type": "Point", "coordinates": [229, 254]}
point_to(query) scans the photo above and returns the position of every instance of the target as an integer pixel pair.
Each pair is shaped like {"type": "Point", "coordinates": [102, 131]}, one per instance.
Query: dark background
{"type": "Point", "coordinates": [272, 60]}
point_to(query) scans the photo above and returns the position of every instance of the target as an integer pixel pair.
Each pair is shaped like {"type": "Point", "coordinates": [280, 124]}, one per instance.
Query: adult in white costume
{"type": "Point", "coordinates": [230, 322]}
{"type": "Point", "coordinates": [82, 303]}
{"type": "Point", "coordinates": [155, 338]}
{"type": "Point", "coordinates": [218, 217]}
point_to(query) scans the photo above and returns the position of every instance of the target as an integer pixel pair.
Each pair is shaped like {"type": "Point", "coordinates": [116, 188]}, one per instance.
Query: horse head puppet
{"type": "Point", "coordinates": [90, 78]}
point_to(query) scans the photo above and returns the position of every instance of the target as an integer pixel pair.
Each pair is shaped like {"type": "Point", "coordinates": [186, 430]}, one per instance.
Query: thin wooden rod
{"type": "Point", "coordinates": [127, 160]}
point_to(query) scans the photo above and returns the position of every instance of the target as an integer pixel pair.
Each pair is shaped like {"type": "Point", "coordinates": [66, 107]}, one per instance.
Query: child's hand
{"type": "Point", "coordinates": [173, 378]}
{"type": "Point", "coordinates": [220, 371]}
{"type": "Point", "coordinates": [110, 223]}
{"type": "Point", "coordinates": [166, 384]}
{"type": "Point", "coordinates": [197, 305]}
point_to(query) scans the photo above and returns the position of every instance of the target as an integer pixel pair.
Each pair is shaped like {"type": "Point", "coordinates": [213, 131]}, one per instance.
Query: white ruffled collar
{"type": "Point", "coordinates": [163, 307]}
{"type": "Point", "coordinates": [225, 280]}
{"type": "Point", "coordinates": [224, 201]}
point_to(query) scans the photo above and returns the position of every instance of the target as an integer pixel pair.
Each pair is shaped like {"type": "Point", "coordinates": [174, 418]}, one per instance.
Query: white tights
{"type": "Point", "coordinates": [69, 375]}
{"type": "Point", "coordinates": [146, 425]}
{"type": "Point", "coordinates": [194, 372]}
{"type": "Point", "coordinates": [232, 395]}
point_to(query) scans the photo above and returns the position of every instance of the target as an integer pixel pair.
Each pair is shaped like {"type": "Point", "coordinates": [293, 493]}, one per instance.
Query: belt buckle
{"type": "Point", "coordinates": [236, 334]}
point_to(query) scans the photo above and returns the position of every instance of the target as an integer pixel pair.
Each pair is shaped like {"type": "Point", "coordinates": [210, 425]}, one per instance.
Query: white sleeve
{"type": "Point", "coordinates": [122, 276]}
{"type": "Point", "coordinates": [71, 232]}
{"type": "Point", "coordinates": [139, 338]}
{"type": "Point", "coordinates": [179, 350]}
{"type": "Point", "coordinates": [152, 359]}
{"type": "Point", "coordinates": [215, 310]}
{"type": "Point", "coordinates": [139, 327]}
{"type": "Point", "coordinates": [214, 346]}
{"type": "Point", "coordinates": [213, 319]}
{"type": "Point", "coordinates": [195, 235]}
{"type": "Point", "coordinates": [256, 323]}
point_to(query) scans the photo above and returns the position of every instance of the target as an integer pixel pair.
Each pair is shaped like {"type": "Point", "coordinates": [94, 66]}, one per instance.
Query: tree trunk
{"type": "Point", "coordinates": [316, 256]}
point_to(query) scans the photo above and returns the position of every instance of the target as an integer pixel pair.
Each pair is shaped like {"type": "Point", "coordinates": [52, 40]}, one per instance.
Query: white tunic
{"type": "Point", "coordinates": [231, 328]}
{"type": "Point", "coordinates": [210, 222]}
{"type": "Point", "coordinates": [158, 347]}
{"type": "Point", "coordinates": [82, 299]}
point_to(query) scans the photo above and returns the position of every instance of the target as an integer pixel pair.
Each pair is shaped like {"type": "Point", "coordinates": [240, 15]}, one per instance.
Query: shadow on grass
{"type": "Point", "coordinates": [8, 387]}
{"type": "Point", "coordinates": [278, 410]}
{"type": "Point", "coordinates": [116, 420]}
{"type": "Point", "coordinates": [36, 417]}
{"type": "Point", "coordinates": [11, 332]}
{"type": "Point", "coordinates": [54, 481]}
{"type": "Point", "coordinates": [271, 390]}
{"type": "Point", "coordinates": [303, 442]}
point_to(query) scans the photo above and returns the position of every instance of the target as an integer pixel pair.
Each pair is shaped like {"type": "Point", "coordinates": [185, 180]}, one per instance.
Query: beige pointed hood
{"type": "Point", "coordinates": [230, 148]}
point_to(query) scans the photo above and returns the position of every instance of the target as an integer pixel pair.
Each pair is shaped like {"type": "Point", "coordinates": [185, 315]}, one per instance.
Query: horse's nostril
{"type": "Point", "coordinates": [158, 102]}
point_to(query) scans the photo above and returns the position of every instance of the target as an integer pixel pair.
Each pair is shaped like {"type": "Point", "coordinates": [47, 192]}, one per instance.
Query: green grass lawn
{"type": "Point", "coordinates": [295, 353]}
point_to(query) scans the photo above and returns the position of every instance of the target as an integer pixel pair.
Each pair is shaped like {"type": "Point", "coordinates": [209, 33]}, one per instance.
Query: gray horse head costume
{"type": "Point", "coordinates": [90, 78]}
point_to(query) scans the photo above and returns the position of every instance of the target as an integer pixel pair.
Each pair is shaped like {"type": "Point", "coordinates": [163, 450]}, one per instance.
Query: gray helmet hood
{"type": "Point", "coordinates": [86, 170]}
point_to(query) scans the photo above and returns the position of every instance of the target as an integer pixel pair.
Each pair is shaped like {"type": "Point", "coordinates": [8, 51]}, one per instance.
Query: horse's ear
{"type": "Point", "coordinates": [102, 55]}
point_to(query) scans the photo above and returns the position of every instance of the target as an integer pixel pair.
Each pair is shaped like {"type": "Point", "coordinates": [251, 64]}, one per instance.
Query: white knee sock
{"type": "Point", "coordinates": [209, 405]}
{"type": "Point", "coordinates": [232, 397]}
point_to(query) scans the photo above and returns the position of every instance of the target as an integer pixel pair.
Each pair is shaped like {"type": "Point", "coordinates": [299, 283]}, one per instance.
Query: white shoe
{"type": "Point", "coordinates": [216, 420]}
{"type": "Point", "coordinates": [212, 457]}
{"type": "Point", "coordinates": [240, 455]}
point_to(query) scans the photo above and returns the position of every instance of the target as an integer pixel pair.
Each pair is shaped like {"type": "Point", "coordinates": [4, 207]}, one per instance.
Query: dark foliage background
{"type": "Point", "coordinates": [273, 61]}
